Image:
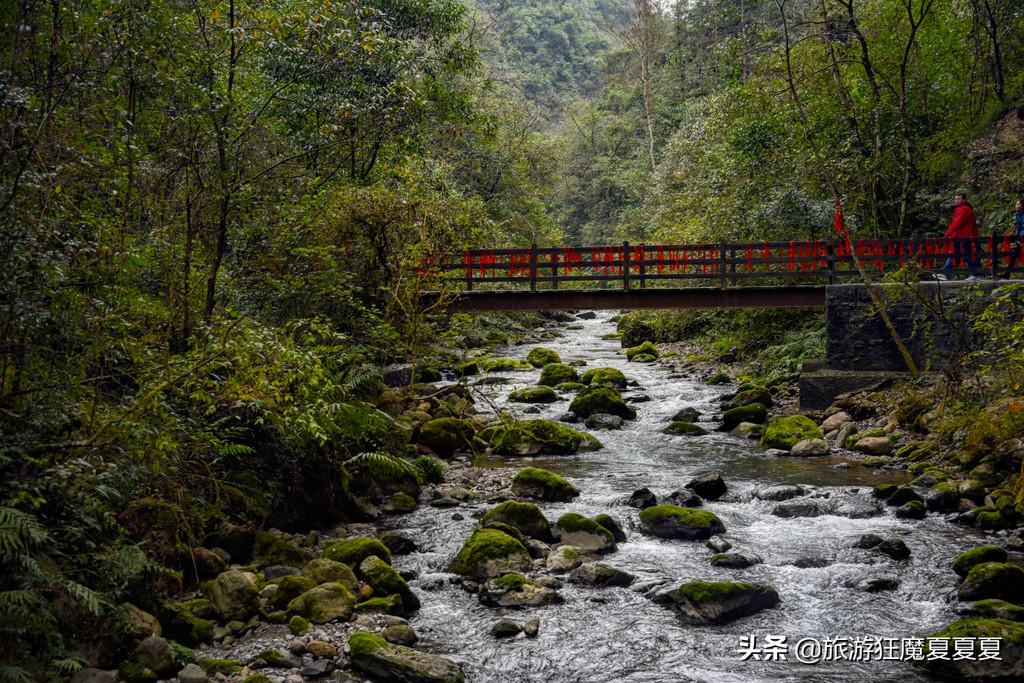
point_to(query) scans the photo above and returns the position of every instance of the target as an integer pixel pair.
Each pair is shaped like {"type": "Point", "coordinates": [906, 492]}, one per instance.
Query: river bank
{"type": "Point", "coordinates": [804, 547]}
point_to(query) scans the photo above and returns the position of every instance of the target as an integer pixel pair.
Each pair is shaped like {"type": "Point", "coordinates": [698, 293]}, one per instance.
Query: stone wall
{"type": "Point", "coordinates": [933, 319]}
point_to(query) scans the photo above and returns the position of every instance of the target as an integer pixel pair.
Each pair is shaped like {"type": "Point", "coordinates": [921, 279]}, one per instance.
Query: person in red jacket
{"type": "Point", "coordinates": [963, 231]}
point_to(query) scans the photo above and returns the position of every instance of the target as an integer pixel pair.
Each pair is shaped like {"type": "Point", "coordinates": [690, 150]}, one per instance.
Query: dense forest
{"type": "Point", "coordinates": [213, 214]}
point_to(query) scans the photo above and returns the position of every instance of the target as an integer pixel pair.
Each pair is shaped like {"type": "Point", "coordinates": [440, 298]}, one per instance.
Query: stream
{"type": "Point", "coordinates": [618, 634]}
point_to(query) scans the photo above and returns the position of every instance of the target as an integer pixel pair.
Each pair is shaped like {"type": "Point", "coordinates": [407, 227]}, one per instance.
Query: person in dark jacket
{"type": "Point", "coordinates": [963, 231]}
{"type": "Point", "coordinates": [1016, 237]}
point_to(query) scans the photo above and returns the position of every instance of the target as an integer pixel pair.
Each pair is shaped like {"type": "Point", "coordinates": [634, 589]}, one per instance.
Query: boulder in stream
{"type": "Point", "coordinates": [540, 394]}
{"type": "Point", "coordinates": [687, 414]}
{"type": "Point", "coordinates": [810, 448]}
{"type": "Point", "coordinates": [383, 661]}
{"type": "Point", "coordinates": [755, 413]}
{"type": "Point", "coordinates": [609, 523]}
{"type": "Point", "coordinates": [718, 602]}
{"type": "Point", "coordinates": [600, 575]}
{"type": "Point", "coordinates": [526, 517]}
{"type": "Point", "coordinates": [679, 428]}
{"type": "Point", "coordinates": [564, 559]}
{"type": "Point", "coordinates": [386, 581]}
{"type": "Point", "coordinates": [601, 399]}
{"type": "Point", "coordinates": [1009, 666]}
{"type": "Point", "coordinates": [784, 432]}
{"type": "Point", "coordinates": [780, 492]}
{"type": "Point", "coordinates": [672, 521]}
{"type": "Point", "coordinates": [514, 591]}
{"type": "Point", "coordinates": [603, 421]}
{"type": "Point", "coordinates": [536, 437]}
{"type": "Point", "coordinates": [642, 498]}
{"type": "Point", "coordinates": [609, 377]}
{"type": "Point", "coordinates": [447, 435]}
{"type": "Point", "coordinates": [967, 560]}
{"type": "Point", "coordinates": [534, 482]}
{"type": "Point", "coordinates": [489, 553]}
{"type": "Point", "coordinates": [554, 374]}
{"type": "Point", "coordinates": [539, 356]}
{"type": "Point", "coordinates": [708, 485]}
{"type": "Point", "coordinates": [734, 560]}
{"type": "Point", "coordinates": [993, 580]}
{"type": "Point", "coordinates": [575, 529]}
{"type": "Point", "coordinates": [684, 498]}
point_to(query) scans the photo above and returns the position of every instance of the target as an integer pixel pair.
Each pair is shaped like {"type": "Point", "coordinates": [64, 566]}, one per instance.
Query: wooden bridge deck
{"type": "Point", "coordinates": [720, 275]}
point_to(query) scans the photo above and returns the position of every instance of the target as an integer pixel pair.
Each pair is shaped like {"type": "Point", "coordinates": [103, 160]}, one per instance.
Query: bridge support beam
{"type": "Point", "coordinates": [691, 297]}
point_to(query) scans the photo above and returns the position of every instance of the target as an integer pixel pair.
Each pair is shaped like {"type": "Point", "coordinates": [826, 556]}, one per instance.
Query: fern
{"type": "Point", "coordinates": [14, 674]}
{"type": "Point", "coordinates": [382, 463]}
{"type": "Point", "coordinates": [19, 532]}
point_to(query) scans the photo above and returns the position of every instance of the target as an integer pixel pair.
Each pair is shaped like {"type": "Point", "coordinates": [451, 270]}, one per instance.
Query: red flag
{"type": "Point", "coordinates": [837, 219]}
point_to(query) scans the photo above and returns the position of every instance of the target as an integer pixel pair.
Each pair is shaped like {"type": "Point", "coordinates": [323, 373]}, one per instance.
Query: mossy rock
{"type": "Point", "coordinates": [181, 624]}
{"type": "Point", "coordinates": [504, 528]}
{"type": "Point", "coordinates": [1011, 651]}
{"type": "Point", "coordinates": [383, 661]}
{"type": "Point", "coordinates": [541, 394]}
{"type": "Point", "coordinates": [298, 625]}
{"type": "Point", "coordinates": [784, 432]}
{"type": "Point", "coordinates": [989, 517]}
{"type": "Point", "coordinates": [526, 517]}
{"type": "Point", "coordinates": [220, 666]}
{"type": "Point", "coordinates": [643, 358]}
{"type": "Point", "coordinates": [234, 595]}
{"type": "Point", "coordinates": [673, 521]}
{"type": "Point", "coordinates": [679, 428]}
{"type": "Point", "coordinates": [609, 377]}
{"type": "Point", "coordinates": [386, 581]}
{"type": "Point", "coordinates": [289, 588]}
{"type": "Point", "coordinates": [324, 570]}
{"type": "Point", "coordinates": [535, 437]}
{"type": "Point", "coordinates": [998, 580]}
{"type": "Point", "coordinates": [352, 551]}
{"type": "Point", "coordinates": [601, 399]}
{"type": "Point", "coordinates": [324, 603]}
{"type": "Point", "coordinates": [645, 349]}
{"type": "Point", "coordinates": [571, 387]}
{"type": "Point", "coordinates": [539, 356]}
{"type": "Point", "coordinates": [392, 604]}
{"type": "Point", "coordinates": [751, 396]}
{"type": "Point", "coordinates": [445, 436]}
{"type": "Point", "coordinates": [533, 482]}
{"type": "Point", "coordinates": [609, 523]}
{"type": "Point", "coordinates": [273, 550]}
{"type": "Point", "coordinates": [130, 672]}
{"type": "Point", "coordinates": [503, 365]}
{"type": "Point", "coordinates": [554, 374]}
{"type": "Point", "coordinates": [997, 609]}
{"type": "Point", "coordinates": [258, 678]}
{"type": "Point", "coordinates": [944, 497]}
{"type": "Point", "coordinates": [718, 378]}
{"type": "Point", "coordinates": [576, 530]}
{"type": "Point", "coordinates": [917, 450]}
{"type": "Point", "coordinates": [399, 503]}
{"type": "Point", "coordinates": [719, 602]}
{"type": "Point", "coordinates": [489, 553]}
{"type": "Point", "coordinates": [755, 413]}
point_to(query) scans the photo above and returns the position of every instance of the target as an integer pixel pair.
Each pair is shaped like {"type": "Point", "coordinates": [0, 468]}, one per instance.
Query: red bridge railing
{"type": "Point", "coordinates": [719, 264]}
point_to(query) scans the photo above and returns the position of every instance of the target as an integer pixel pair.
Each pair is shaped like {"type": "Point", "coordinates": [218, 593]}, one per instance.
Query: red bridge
{"type": "Point", "coordinates": [721, 275]}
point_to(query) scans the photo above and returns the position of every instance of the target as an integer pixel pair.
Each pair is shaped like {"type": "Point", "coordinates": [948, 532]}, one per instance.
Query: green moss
{"type": "Point", "coordinates": [754, 395]}
{"type": "Point", "coordinates": [571, 386]}
{"type": "Point", "coordinates": [446, 435]}
{"type": "Point", "coordinates": [273, 550]}
{"type": "Point", "coordinates": [785, 431]}
{"type": "Point", "coordinates": [573, 522]}
{"type": "Point", "coordinates": [289, 588]}
{"type": "Point", "coordinates": [601, 399]}
{"type": "Point", "coordinates": [526, 517]}
{"type": "Point", "coordinates": [534, 482]}
{"type": "Point", "coordinates": [363, 644]}
{"type": "Point", "coordinates": [691, 517]}
{"type": "Point", "coordinates": [130, 672]}
{"type": "Point", "coordinates": [511, 580]}
{"type": "Point", "coordinates": [258, 678]}
{"type": "Point", "coordinates": [541, 394]}
{"type": "Point", "coordinates": [998, 609]}
{"type": "Point", "coordinates": [557, 373]}
{"type": "Point", "coordinates": [298, 625]}
{"type": "Point", "coordinates": [352, 551]}
{"type": "Point", "coordinates": [917, 450]}
{"type": "Point", "coordinates": [220, 666]}
{"type": "Point", "coordinates": [391, 604]}
{"type": "Point", "coordinates": [643, 358]}
{"type": "Point", "coordinates": [679, 428]}
{"type": "Point", "coordinates": [504, 528]}
{"type": "Point", "coordinates": [486, 545]}
{"type": "Point", "coordinates": [718, 378]}
{"type": "Point", "coordinates": [504, 365]}
{"type": "Point", "coordinates": [279, 616]}
{"type": "Point", "coordinates": [539, 357]}
{"type": "Point", "coordinates": [1011, 632]}
{"type": "Point", "coordinates": [713, 591]}
{"type": "Point", "coordinates": [400, 503]}
{"type": "Point", "coordinates": [647, 348]}
{"type": "Point", "coordinates": [386, 581]}
{"type": "Point", "coordinates": [885, 490]}
{"type": "Point", "coordinates": [325, 603]}
{"type": "Point", "coordinates": [273, 658]}
{"type": "Point", "coordinates": [611, 377]}
{"type": "Point", "coordinates": [533, 437]}
{"type": "Point", "coordinates": [754, 412]}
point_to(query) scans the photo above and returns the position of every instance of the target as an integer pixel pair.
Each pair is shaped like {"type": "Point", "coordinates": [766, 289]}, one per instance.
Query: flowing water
{"type": "Point", "coordinates": [618, 634]}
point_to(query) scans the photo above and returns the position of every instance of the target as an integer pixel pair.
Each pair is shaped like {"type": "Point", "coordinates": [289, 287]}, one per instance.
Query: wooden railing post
{"type": "Point", "coordinates": [723, 283]}
{"type": "Point", "coordinates": [554, 270]}
{"type": "Point", "coordinates": [830, 252]}
{"type": "Point", "coordinates": [643, 266]}
{"type": "Point", "coordinates": [993, 254]}
{"type": "Point", "coordinates": [625, 265]}
{"type": "Point", "coordinates": [468, 258]}
{"type": "Point", "coordinates": [533, 267]}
